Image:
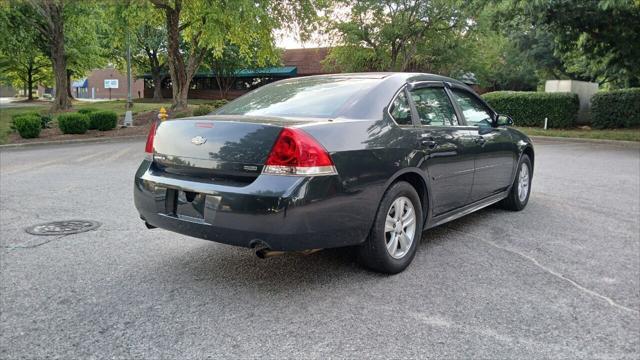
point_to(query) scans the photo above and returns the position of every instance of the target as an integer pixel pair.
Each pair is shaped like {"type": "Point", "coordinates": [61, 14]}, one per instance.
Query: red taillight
{"type": "Point", "coordinates": [148, 149]}
{"type": "Point", "coordinates": [297, 153]}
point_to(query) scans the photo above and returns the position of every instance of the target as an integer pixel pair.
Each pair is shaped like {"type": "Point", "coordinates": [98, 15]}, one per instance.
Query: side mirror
{"type": "Point", "coordinates": [504, 120]}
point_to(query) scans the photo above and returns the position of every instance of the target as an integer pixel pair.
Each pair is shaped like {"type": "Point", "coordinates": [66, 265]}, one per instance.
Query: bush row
{"type": "Point", "coordinates": [616, 109]}
{"type": "Point", "coordinates": [206, 109]}
{"type": "Point", "coordinates": [531, 108]}
{"type": "Point", "coordinates": [29, 124]}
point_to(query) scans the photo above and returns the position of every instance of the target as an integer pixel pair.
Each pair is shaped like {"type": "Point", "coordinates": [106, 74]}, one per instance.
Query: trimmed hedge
{"type": "Point", "coordinates": [73, 123]}
{"type": "Point", "coordinates": [44, 119]}
{"type": "Point", "coordinates": [103, 120]}
{"type": "Point", "coordinates": [530, 108]}
{"type": "Point", "coordinates": [218, 103]}
{"type": "Point", "coordinates": [28, 125]}
{"type": "Point", "coordinates": [87, 111]}
{"type": "Point", "coordinates": [616, 109]}
{"type": "Point", "coordinates": [202, 110]}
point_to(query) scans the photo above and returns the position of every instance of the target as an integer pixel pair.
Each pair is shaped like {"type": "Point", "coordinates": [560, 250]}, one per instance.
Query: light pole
{"type": "Point", "coordinates": [128, 117]}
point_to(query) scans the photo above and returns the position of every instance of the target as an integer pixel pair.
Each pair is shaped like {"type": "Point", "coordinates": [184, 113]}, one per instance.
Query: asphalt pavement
{"type": "Point", "coordinates": [560, 279]}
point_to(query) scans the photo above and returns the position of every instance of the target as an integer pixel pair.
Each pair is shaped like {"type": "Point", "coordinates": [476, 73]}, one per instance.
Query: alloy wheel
{"type": "Point", "coordinates": [523, 183]}
{"type": "Point", "coordinates": [400, 227]}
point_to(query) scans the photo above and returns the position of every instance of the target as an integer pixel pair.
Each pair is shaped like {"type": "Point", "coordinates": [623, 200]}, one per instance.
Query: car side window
{"type": "Point", "coordinates": [400, 110]}
{"type": "Point", "coordinates": [473, 110]}
{"type": "Point", "coordinates": [433, 107]}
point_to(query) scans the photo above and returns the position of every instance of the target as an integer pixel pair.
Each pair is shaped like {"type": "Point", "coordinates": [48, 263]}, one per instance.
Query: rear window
{"type": "Point", "coordinates": [304, 97]}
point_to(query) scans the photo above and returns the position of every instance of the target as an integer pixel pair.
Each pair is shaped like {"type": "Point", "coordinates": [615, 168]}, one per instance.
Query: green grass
{"type": "Point", "coordinates": [613, 134]}
{"type": "Point", "coordinates": [117, 106]}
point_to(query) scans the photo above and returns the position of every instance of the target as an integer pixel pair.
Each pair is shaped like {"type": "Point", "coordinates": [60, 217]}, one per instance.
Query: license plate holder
{"type": "Point", "coordinates": [190, 205]}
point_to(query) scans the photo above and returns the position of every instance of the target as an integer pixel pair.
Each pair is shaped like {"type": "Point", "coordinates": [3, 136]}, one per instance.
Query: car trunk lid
{"type": "Point", "coordinates": [220, 148]}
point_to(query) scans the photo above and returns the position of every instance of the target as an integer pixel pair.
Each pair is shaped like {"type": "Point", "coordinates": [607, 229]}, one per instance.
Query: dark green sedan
{"type": "Point", "coordinates": [367, 160]}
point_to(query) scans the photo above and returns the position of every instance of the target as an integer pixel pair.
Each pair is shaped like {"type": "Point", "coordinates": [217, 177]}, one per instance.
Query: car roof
{"type": "Point", "coordinates": [404, 76]}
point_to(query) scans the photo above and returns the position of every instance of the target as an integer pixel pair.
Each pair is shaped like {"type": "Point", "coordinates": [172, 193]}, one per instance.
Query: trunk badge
{"type": "Point", "coordinates": [198, 140]}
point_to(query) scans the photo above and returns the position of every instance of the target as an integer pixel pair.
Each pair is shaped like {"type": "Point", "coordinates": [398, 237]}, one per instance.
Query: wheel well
{"type": "Point", "coordinates": [529, 152]}
{"type": "Point", "coordinates": [417, 182]}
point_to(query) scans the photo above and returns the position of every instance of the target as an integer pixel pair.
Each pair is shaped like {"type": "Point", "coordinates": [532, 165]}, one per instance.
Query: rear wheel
{"type": "Point", "coordinates": [396, 231]}
{"type": "Point", "coordinates": [519, 194]}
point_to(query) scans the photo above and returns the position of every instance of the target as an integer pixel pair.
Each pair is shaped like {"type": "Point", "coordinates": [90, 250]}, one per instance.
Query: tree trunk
{"type": "Point", "coordinates": [181, 72]}
{"type": "Point", "coordinates": [69, 87]}
{"type": "Point", "coordinates": [180, 98]}
{"type": "Point", "coordinates": [156, 72]}
{"type": "Point", "coordinates": [157, 84]}
{"type": "Point", "coordinates": [30, 82]}
{"type": "Point", "coordinates": [62, 100]}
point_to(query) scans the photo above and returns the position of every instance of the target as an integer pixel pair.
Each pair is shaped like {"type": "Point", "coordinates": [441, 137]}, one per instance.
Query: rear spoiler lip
{"type": "Point", "coordinates": [275, 120]}
{"type": "Point", "coordinates": [282, 121]}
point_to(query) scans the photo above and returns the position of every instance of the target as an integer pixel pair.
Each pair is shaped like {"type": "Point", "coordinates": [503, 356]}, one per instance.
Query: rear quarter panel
{"type": "Point", "coordinates": [367, 154]}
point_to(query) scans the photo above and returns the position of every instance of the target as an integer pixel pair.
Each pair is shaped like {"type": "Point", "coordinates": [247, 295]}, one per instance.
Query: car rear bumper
{"type": "Point", "coordinates": [280, 212]}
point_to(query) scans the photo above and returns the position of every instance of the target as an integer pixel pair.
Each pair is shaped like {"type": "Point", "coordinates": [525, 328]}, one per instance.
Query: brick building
{"type": "Point", "coordinates": [296, 62]}
{"type": "Point", "coordinates": [93, 86]}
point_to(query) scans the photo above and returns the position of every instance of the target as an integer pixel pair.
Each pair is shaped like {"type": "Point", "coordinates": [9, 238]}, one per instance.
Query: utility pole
{"type": "Point", "coordinates": [128, 116]}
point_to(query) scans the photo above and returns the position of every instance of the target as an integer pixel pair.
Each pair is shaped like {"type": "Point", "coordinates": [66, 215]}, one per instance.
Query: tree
{"type": "Point", "coordinates": [577, 39]}
{"type": "Point", "coordinates": [227, 64]}
{"type": "Point", "coordinates": [21, 60]}
{"type": "Point", "coordinates": [151, 40]}
{"type": "Point", "coordinates": [387, 35]}
{"type": "Point", "coordinates": [49, 21]}
{"type": "Point", "coordinates": [87, 37]}
{"type": "Point", "coordinates": [207, 25]}
{"type": "Point", "coordinates": [140, 24]}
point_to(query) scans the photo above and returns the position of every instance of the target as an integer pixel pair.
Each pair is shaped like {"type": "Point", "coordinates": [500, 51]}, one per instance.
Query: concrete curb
{"type": "Point", "coordinates": [73, 141]}
{"type": "Point", "coordinates": [583, 140]}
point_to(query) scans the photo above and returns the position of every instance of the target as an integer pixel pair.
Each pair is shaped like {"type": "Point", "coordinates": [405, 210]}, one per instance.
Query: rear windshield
{"type": "Point", "coordinates": [303, 97]}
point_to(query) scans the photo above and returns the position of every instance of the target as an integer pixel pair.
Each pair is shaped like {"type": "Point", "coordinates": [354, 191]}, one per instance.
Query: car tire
{"type": "Point", "coordinates": [386, 249]}
{"type": "Point", "coordinates": [519, 196]}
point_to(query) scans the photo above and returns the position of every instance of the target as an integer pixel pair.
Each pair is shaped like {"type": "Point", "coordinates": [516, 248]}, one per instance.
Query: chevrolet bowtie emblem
{"type": "Point", "coordinates": [198, 140]}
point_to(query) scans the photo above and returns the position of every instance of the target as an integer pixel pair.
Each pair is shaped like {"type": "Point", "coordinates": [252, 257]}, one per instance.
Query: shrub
{"type": "Point", "coordinates": [616, 109]}
{"type": "Point", "coordinates": [14, 117]}
{"type": "Point", "coordinates": [87, 111]}
{"type": "Point", "coordinates": [218, 103]}
{"type": "Point", "coordinates": [73, 123]}
{"type": "Point", "coordinates": [530, 108]}
{"type": "Point", "coordinates": [45, 121]}
{"type": "Point", "coordinates": [202, 110]}
{"type": "Point", "coordinates": [180, 114]}
{"type": "Point", "coordinates": [103, 120]}
{"type": "Point", "coordinates": [28, 125]}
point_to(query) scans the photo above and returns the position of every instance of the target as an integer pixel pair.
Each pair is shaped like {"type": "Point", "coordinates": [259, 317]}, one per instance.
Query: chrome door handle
{"type": "Point", "coordinates": [429, 143]}
{"type": "Point", "coordinates": [480, 140]}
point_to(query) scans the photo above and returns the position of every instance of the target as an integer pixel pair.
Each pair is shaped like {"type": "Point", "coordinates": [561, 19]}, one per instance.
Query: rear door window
{"type": "Point", "coordinates": [434, 107]}
{"type": "Point", "coordinates": [474, 111]}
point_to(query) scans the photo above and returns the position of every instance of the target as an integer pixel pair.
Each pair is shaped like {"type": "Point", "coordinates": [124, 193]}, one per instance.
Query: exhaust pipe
{"type": "Point", "coordinates": [267, 253]}
{"type": "Point", "coordinates": [264, 253]}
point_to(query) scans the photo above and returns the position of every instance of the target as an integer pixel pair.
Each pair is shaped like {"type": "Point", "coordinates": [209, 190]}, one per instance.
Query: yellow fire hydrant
{"type": "Point", "coordinates": [162, 114]}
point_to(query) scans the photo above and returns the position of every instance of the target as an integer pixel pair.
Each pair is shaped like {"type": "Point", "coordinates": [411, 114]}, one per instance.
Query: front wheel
{"type": "Point", "coordinates": [396, 231]}
{"type": "Point", "coordinates": [521, 188]}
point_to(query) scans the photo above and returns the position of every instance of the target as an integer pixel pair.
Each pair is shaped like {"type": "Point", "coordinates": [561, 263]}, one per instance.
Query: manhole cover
{"type": "Point", "coordinates": [63, 227]}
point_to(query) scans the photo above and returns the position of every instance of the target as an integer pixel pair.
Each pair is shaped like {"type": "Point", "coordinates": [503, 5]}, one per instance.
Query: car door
{"type": "Point", "coordinates": [495, 152]}
{"type": "Point", "coordinates": [445, 147]}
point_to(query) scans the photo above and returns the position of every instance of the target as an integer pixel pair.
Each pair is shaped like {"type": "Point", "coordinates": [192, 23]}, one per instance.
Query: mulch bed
{"type": "Point", "coordinates": [141, 122]}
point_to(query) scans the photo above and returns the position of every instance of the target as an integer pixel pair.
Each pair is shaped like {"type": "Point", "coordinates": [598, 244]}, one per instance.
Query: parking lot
{"type": "Point", "coordinates": [560, 279]}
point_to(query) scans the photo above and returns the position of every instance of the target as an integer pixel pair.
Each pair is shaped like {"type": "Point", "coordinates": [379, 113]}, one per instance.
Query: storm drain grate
{"type": "Point", "coordinates": [62, 227]}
